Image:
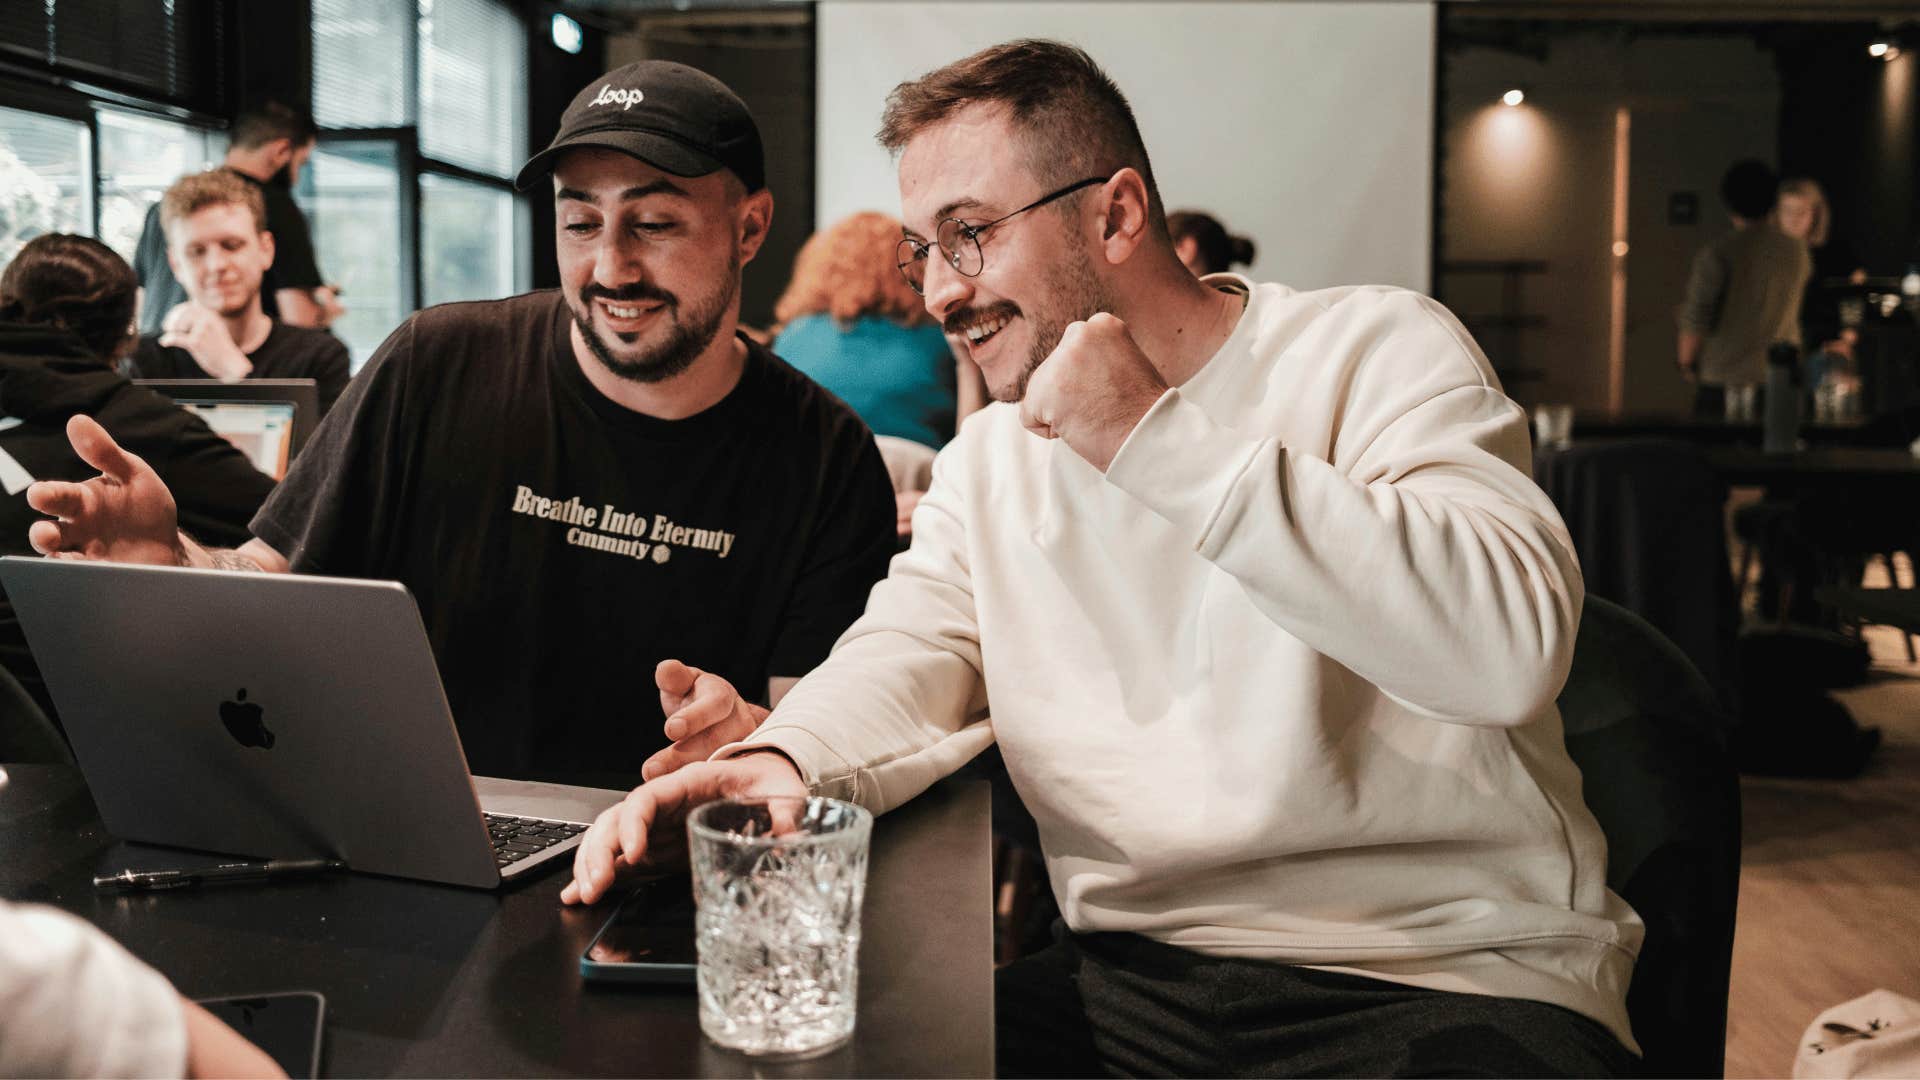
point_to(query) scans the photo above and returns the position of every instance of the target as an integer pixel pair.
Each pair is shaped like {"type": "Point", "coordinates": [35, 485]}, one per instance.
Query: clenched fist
{"type": "Point", "coordinates": [1092, 389]}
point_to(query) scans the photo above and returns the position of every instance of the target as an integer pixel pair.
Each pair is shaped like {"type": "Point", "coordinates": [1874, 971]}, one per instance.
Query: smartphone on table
{"type": "Point", "coordinates": [649, 939]}
{"type": "Point", "coordinates": [287, 1026]}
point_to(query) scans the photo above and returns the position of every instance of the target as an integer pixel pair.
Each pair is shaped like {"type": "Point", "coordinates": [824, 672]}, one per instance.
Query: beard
{"type": "Point", "coordinates": [1077, 295]}
{"type": "Point", "coordinates": [691, 330]}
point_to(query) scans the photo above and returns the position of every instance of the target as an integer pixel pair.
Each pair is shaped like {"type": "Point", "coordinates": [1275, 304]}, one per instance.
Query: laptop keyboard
{"type": "Point", "coordinates": [516, 838]}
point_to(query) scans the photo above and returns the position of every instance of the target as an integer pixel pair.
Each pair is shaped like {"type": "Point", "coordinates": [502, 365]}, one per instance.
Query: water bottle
{"type": "Point", "coordinates": [1780, 421]}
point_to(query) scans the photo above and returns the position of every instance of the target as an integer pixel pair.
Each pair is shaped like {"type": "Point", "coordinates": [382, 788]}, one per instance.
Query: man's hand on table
{"type": "Point", "coordinates": [649, 826]}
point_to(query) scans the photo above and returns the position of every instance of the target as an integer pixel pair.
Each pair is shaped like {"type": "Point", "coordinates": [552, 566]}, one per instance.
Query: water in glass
{"type": "Point", "coordinates": [778, 922]}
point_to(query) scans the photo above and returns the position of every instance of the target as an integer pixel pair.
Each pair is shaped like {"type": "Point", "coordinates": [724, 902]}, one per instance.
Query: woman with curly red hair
{"type": "Point", "coordinates": [851, 323]}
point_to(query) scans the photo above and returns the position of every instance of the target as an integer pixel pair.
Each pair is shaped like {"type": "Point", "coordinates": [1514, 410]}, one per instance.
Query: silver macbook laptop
{"type": "Point", "coordinates": [277, 716]}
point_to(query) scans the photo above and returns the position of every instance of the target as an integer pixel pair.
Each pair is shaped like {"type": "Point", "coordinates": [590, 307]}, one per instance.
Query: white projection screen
{"type": "Point", "coordinates": [1305, 126]}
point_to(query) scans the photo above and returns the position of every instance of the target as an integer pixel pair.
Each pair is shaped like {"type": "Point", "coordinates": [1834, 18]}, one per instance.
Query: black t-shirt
{"type": "Point", "coordinates": [293, 260]}
{"type": "Point", "coordinates": [288, 352]}
{"type": "Point", "coordinates": [46, 377]}
{"type": "Point", "coordinates": [560, 546]}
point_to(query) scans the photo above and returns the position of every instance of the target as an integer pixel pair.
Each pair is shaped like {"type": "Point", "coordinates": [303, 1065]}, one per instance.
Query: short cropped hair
{"type": "Point", "coordinates": [270, 120]}
{"type": "Point", "coordinates": [1073, 120]}
{"type": "Point", "coordinates": [849, 270]}
{"type": "Point", "coordinates": [1749, 188]}
{"type": "Point", "coordinates": [216, 187]}
{"type": "Point", "coordinates": [75, 283]}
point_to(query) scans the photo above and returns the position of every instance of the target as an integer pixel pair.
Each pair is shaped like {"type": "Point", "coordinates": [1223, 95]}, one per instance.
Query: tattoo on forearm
{"type": "Point", "coordinates": [232, 560]}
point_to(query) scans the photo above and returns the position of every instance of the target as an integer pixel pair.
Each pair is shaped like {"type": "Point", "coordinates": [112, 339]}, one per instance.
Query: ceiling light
{"type": "Point", "coordinates": [1513, 97]}
{"type": "Point", "coordinates": [567, 35]}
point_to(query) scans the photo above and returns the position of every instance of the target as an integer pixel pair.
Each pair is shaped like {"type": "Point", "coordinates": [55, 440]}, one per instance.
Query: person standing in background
{"type": "Point", "coordinates": [269, 145]}
{"type": "Point", "coordinates": [1204, 245]}
{"type": "Point", "coordinates": [1802, 212]}
{"type": "Point", "coordinates": [1743, 293]}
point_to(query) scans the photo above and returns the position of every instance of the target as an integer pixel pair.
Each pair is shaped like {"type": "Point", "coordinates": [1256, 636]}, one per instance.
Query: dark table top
{"type": "Point", "coordinates": [433, 980]}
{"type": "Point", "coordinates": [1707, 429]}
{"type": "Point", "coordinates": [1746, 465]}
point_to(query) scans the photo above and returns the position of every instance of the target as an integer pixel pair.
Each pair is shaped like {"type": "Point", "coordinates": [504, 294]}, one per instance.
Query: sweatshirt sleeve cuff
{"type": "Point", "coordinates": [825, 772]}
{"type": "Point", "coordinates": [1181, 464]}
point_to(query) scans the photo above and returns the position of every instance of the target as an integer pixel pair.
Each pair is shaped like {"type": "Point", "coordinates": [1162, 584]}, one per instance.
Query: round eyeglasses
{"type": "Point", "coordinates": [959, 242]}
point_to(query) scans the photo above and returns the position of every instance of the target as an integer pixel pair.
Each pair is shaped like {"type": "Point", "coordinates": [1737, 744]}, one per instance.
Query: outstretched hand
{"type": "Point", "coordinates": [126, 514]}
{"type": "Point", "coordinates": [704, 713]}
{"type": "Point", "coordinates": [649, 827]}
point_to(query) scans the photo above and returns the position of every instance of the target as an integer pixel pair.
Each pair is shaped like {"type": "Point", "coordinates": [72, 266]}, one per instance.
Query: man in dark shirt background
{"type": "Point", "coordinates": [605, 498]}
{"type": "Point", "coordinates": [268, 146]}
{"type": "Point", "coordinates": [219, 246]}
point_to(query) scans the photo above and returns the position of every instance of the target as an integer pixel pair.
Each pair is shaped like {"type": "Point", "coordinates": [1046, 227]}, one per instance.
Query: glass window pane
{"type": "Point", "coordinates": [473, 84]}
{"type": "Point", "coordinates": [466, 240]}
{"type": "Point", "coordinates": [44, 178]}
{"type": "Point", "coordinates": [360, 62]}
{"type": "Point", "coordinates": [140, 157]}
{"type": "Point", "coordinates": [172, 48]}
{"type": "Point", "coordinates": [350, 191]}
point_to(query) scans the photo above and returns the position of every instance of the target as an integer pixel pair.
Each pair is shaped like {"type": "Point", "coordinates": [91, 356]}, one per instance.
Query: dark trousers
{"type": "Point", "coordinates": [1122, 1005]}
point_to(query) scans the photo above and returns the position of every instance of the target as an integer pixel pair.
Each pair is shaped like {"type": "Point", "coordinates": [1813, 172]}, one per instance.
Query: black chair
{"type": "Point", "coordinates": [27, 737]}
{"type": "Point", "coordinates": [1649, 736]}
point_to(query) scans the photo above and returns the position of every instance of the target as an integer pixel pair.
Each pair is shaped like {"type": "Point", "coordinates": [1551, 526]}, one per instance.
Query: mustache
{"type": "Point", "coordinates": [639, 290]}
{"type": "Point", "coordinates": [958, 322]}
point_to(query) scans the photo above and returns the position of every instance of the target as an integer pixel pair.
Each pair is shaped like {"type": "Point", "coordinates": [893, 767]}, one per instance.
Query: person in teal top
{"type": "Point", "coordinates": [850, 323]}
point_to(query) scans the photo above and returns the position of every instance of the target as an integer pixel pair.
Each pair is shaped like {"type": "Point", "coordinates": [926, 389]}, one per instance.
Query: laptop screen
{"type": "Point", "coordinates": [262, 430]}
{"type": "Point", "coordinates": [269, 420]}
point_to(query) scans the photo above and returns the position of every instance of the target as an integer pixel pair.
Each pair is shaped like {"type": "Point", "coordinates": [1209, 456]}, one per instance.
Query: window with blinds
{"type": "Point", "coordinates": [466, 88]}
{"type": "Point", "coordinates": [451, 75]}
{"type": "Point", "coordinates": [355, 205]}
{"type": "Point", "coordinates": [360, 50]}
{"type": "Point", "coordinates": [473, 84]}
{"type": "Point", "coordinates": [172, 49]}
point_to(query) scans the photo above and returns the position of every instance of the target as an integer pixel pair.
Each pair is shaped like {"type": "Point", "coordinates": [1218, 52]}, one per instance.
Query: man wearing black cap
{"type": "Point", "coordinates": [577, 485]}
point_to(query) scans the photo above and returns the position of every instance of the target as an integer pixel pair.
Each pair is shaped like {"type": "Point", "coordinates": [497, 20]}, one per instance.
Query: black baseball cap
{"type": "Point", "coordinates": [675, 118]}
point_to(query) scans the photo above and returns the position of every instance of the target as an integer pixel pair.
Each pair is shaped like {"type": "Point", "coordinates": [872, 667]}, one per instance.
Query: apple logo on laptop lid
{"type": "Point", "coordinates": [244, 721]}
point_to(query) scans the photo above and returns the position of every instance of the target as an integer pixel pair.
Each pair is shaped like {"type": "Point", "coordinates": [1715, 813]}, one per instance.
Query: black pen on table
{"type": "Point", "coordinates": [225, 873]}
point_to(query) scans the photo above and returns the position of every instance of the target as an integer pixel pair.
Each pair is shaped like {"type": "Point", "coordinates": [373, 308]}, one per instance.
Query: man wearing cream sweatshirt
{"type": "Point", "coordinates": [1253, 591]}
